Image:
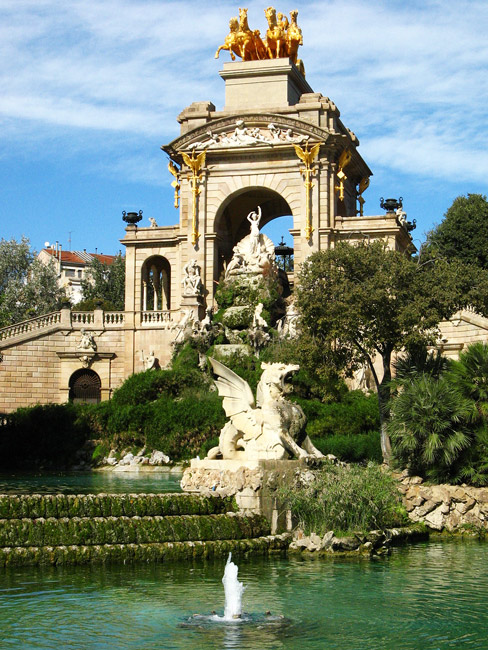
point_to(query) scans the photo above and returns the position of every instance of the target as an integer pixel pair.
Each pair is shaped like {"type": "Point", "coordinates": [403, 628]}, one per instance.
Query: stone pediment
{"type": "Point", "coordinates": [253, 130]}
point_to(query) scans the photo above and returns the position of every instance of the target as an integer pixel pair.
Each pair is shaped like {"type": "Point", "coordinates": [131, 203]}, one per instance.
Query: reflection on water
{"type": "Point", "coordinates": [90, 483]}
{"type": "Point", "coordinates": [425, 597]}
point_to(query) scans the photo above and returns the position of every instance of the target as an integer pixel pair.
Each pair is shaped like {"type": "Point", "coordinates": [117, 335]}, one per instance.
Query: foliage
{"type": "Point", "coordinates": [429, 426]}
{"type": "Point", "coordinates": [470, 376]}
{"type": "Point", "coordinates": [105, 282]}
{"type": "Point", "coordinates": [356, 448]}
{"type": "Point", "coordinates": [346, 499]}
{"type": "Point", "coordinates": [356, 413]}
{"type": "Point", "coordinates": [241, 291]}
{"type": "Point", "coordinates": [48, 434]}
{"type": "Point", "coordinates": [462, 234]}
{"type": "Point", "coordinates": [28, 288]}
{"type": "Point", "coordinates": [358, 302]}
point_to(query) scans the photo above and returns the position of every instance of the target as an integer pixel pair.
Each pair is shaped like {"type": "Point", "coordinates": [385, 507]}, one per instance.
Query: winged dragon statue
{"type": "Point", "coordinates": [268, 428]}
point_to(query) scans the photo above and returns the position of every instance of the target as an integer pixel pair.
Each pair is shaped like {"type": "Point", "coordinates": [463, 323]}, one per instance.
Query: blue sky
{"type": "Point", "coordinates": [90, 89]}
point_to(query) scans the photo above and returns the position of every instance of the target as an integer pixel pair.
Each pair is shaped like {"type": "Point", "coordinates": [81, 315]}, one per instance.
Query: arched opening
{"type": "Point", "coordinates": [156, 285]}
{"type": "Point", "coordinates": [85, 387]}
{"type": "Point", "coordinates": [232, 224]}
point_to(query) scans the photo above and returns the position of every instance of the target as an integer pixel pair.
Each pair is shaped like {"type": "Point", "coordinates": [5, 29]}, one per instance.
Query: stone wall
{"type": "Point", "coordinates": [32, 372]}
{"type": "Point", "coordinates": [445, 507]}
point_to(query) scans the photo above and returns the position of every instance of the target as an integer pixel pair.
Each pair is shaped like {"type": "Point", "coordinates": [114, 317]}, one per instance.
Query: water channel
{"type": "Point", "coordinates": [430, 596]}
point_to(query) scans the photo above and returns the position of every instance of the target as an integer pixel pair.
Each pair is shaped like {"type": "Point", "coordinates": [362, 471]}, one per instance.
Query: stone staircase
{"type": "Point", "coordinates": [80, 529]}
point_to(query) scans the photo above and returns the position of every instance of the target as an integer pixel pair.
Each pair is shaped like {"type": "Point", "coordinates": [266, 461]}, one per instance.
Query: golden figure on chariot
{"type": "Point", "coordinates": [283, 38]}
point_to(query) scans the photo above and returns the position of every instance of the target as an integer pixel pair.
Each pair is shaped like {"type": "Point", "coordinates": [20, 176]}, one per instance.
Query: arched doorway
{"type": "Point", "coordinates": [231, 223]}
{"type": "Point", "coordinates": [156, 284]}
{"type": "Point", "coordinates": [85, 387]}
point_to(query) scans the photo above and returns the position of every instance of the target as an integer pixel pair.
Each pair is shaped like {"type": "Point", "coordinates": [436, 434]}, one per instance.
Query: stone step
{"type": "Point", "coordinates": [128, 553]}
{"type": "Point", "coordinates": [34, 506]}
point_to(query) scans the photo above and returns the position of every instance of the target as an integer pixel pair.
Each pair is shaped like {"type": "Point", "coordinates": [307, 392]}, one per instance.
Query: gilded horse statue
{"type": "Point", "coordinates": [294, 37]}
{"type": "Point", "coordinates": [231, 42]}
{"type": "Point", "coordinates": [283, 38]}
{"type": "Point", "coordinates": [276, 44]}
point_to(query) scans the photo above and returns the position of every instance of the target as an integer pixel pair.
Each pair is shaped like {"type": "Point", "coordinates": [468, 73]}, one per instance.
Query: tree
{"type": "Point", "coordinates": [28, 288]}
{"type": "Point", "coordinates": [360, 302]}
{"type": "Point", "coordinates": [105, 282]}
{"type": "Point", "coordinates": [463, 233]}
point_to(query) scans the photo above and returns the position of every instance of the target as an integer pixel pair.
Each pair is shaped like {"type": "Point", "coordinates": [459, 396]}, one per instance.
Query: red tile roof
{"type": "Point", "coordinates": [72, 257]}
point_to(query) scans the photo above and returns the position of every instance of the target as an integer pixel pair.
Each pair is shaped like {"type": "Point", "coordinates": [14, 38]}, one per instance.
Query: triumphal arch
{"type": "Point", "coordinates": [276, 148]}
{"type": "Point", "coordinates": [277, 145]}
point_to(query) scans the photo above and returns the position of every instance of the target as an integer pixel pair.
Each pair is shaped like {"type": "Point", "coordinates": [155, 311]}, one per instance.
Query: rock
{"type": "Point", "coordinates": [126, 460]}
{"type": "Point", "coordinates": [159, 458]}
{"type": "Point", "coordinates": [415, 480]}
{"type": "Point", "coordinates": [327, 539]}
{"type": "Point", "coordinates": [110, 460]}
{"type": "Point", "coordinates": [315, 540]}
{"type": "Point", "coordinates": [435, 519]}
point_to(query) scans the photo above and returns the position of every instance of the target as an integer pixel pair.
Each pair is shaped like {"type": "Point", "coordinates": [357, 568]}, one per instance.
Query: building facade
{"type": "Point", "coordinates": [276, 146]}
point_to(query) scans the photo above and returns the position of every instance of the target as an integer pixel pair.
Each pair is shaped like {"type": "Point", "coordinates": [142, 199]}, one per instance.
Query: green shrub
{"type": "Point", "coordinates": [346, 499]}
{"type": "Point", "coordinates": [355, 413]}
{"type": "Point", "coordinates": [429, 427]}
{"type": "Point", "coordinates": [50, 434]}
{"type": "Point", "coordinates": [352, 449]}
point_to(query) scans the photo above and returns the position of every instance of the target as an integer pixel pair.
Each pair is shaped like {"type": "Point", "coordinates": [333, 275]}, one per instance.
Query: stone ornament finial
{"type": "Point", "coordinates": [283, 38]}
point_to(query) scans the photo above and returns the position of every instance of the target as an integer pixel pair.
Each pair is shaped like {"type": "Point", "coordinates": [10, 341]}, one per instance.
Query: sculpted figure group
{"type": "Point", "coordinates": [283, 37]}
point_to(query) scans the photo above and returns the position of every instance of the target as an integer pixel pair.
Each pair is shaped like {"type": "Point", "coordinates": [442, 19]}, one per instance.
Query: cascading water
{"type": "Point", "coordinates": [233, 591]}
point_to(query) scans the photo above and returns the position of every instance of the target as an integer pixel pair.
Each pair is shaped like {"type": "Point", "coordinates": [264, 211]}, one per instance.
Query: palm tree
{"type": "Point", "coordinates": [429, 426]}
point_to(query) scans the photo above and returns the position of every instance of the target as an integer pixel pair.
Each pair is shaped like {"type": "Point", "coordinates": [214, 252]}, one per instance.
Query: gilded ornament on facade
{"type": "Point", "coordinates": [344, 160]}
{"type": "Point", "coordinates": [173, 169]}
{"type": "Point", "coordinates": [363, 186]}
{"type": "Point", "coordinates": [283, 38]}
{"type": "Point", "coordinates": [195, 163]}
{"type": "Point", "coordinates": [308, 158]}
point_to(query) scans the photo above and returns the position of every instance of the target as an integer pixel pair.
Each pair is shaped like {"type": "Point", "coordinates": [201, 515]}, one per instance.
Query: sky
{"type": "Point", "coordinates": [90, 90]}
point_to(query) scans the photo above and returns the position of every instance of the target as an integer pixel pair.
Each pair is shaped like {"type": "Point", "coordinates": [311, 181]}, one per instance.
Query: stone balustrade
{"type": "Point", "coordinates": [31, 325]}
{"type": "Point", "coordinates": [156, 318]}
{"type": "Point", "coordinates": [64, 319]}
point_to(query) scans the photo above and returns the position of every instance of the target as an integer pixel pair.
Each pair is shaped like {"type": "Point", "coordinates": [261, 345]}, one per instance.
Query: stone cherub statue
{"type": "Point", "coordinates": [270, 428]}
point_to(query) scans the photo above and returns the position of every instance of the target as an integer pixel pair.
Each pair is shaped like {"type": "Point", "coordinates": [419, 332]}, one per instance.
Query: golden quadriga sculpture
{"type": "Point", "coordinates": [283, 38]}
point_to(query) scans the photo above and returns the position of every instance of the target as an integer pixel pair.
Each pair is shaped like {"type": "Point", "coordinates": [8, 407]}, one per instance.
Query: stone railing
{"type": "Point", "coordinates": [156, 318]}
{"type": "Point", "coordinates": [67, 319]}
{"type": "Point", "coordinates": [31, 325]}
{"type": "Point", "coordinates": [113, 318]}
{"type": "Point", "coordinates": [82, 318]}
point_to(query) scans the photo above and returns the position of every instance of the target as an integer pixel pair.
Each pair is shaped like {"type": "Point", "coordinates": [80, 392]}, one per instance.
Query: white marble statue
{"type": "Point", "coordinates": [150, 361]}
{"type": "Point", "coordinates": [153, 222]}
{"type": "Point", "coordinates": [253, 252]}
{"type": "Point", "coordinates": [186, 323]}
{"type": "Point", "coordinates": [258, 322]}
{"type": "Point", "coordinates": [87, 341]}
{"type": "Point", "coordinates": [268, 428]}
{"type": "Point", "coordinates": [192, 282]}
{"type": "Point", "coordinates": [287, 326]}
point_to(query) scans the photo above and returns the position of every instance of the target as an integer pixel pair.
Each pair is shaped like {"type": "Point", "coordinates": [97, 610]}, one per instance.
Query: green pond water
{"type": "Point", "coordinates": [428, 596]}
{"type": "Point", "coordinates": [90, 482]}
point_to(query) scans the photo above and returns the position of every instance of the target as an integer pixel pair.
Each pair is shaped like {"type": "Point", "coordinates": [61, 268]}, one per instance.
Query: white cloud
{"type": "Point", "coordinates": [409, 78]}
